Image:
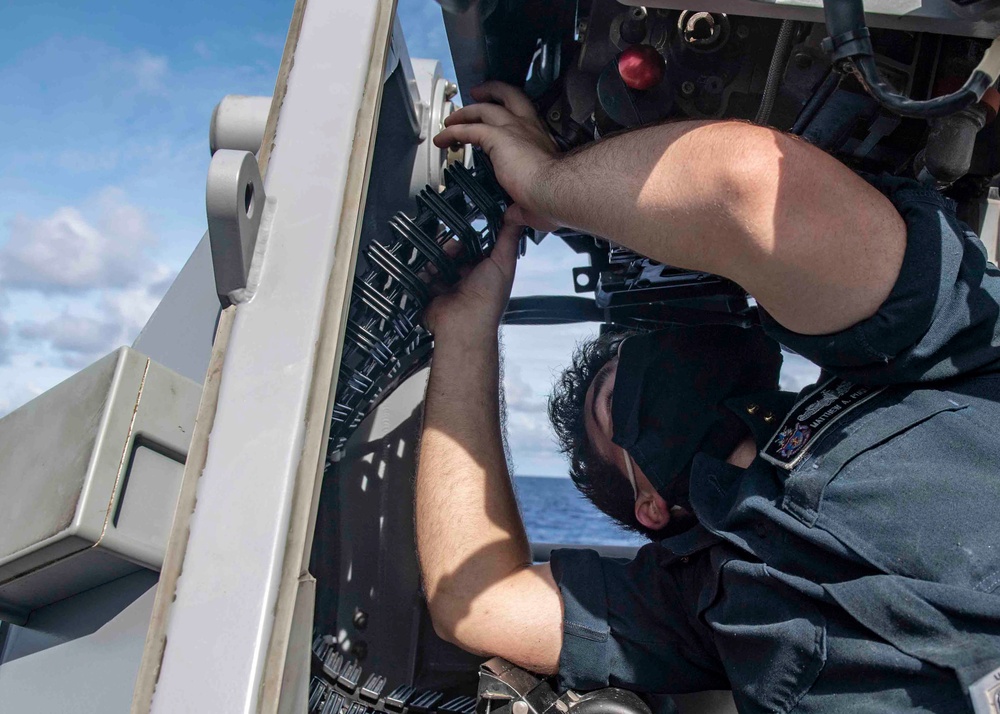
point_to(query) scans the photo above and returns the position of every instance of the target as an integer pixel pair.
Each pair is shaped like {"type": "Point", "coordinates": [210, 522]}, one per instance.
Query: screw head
{"type": "Point", "coordinates": [360, 619]}
{"type": "Point", "coordinates": [687, 88]}
{"type": "Point", "coordinates": [714, 85]}
{"type": "Point", "coordinates": [555, 115]}
{"type": "Point", "coordinates": [742, 31]}
{"type": "Point", "coordinates": [803, 60]}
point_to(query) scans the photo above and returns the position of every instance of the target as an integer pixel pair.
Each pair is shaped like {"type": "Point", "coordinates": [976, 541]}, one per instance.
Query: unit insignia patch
{"type": "Point", "coordinates": [811, 417]}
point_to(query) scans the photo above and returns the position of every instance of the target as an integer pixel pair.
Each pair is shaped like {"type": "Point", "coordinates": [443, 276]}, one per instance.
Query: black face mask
{"type": "Point", "coordinates": [669, 389]}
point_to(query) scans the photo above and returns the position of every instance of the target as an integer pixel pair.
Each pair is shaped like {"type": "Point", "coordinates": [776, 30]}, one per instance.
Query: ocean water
{"type": "Point", "coordinates": [555, 512]}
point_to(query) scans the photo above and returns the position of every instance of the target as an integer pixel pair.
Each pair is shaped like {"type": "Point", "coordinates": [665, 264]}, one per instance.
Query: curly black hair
{"type": "Point", "coordinates": [601, 482]}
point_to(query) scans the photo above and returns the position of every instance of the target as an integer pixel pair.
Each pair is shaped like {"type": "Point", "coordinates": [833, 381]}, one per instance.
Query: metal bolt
{"type": "Point", "coordinates": [360, 619]}
{"type": "Point", "coordinates": [803, 60]}
{"type": "Point", "coordinates": [742, 31]}
{"type": "Point", "coordinates": [520, 707]}
{"type": "Point", "coordinates": [450, 90]}
{"type": "Point", "coordinates": [555, 115]}
{"type": "Point", "coordinates": [687, 88]}
{"type": "Point", "coordinates": [700, 27]}
{"type": "Point", "coordinates": [769, 417]}
{"type": "Point", "coordinates": [751, 409]}
{"type": "Point", "coordinates": [639, 13]}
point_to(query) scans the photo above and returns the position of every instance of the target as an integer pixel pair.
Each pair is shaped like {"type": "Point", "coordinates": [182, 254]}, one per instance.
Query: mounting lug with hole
{"type": "Point", "coordinates": [236, 205]}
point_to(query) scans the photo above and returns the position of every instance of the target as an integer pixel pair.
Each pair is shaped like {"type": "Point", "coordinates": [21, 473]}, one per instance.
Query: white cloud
{"type": "Point", "coordinates": [797, 373]}
{"type": "Point", "coordinates": [65, 252]}
{"type": "Point", "coordinates": [82, 333]}
{"type": "Point", "coordinates": [520, 395]}
{"type": "Point", "coordinates": [17, 395]}
{"type": "Point", "coordinates": [79, 339]}
{"type": "Point", "coordinates": [533, 356]}
{"type": "Point", "coordinates": [4, 340]}
{"type": "Point", "coordinates": [148, 70]}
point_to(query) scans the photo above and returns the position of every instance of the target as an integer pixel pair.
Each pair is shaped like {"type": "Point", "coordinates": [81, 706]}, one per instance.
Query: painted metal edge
{"type": "Point", "coordinates": [309, 473]}
{"type": "Point", "coordinates": [173, 559]}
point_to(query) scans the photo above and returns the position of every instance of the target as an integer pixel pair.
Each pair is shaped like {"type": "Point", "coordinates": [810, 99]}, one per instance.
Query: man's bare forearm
{"type": "Point", "coordinates": [816, 245]}
{"type": "Point", "coordinates": [644, 189]}
{"type": "Point", "coordinates": [469, 530]}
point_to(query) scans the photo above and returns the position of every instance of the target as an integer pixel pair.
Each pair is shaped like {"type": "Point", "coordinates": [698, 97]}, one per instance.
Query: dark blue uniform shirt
{"type": "Point", "coordinates": [867, 577]}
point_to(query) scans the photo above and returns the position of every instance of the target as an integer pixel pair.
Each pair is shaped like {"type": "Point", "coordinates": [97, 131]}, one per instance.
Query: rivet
{"type": "Point", "coordinates": [520, 707]}
{"type": "Point", "coordinates": [752, 409]}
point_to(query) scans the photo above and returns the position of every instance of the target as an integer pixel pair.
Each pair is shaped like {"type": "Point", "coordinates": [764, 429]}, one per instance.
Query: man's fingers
{"type": "Point", "coordinates": [453, 248]}
{"type": "Point", "coordinates": [492, 114]}
{"type": "Point", "coordinates": [514, 99]}
{"type": "Point", "coordinates": [475, 134]}
{"type": "Point", "coordinates": [505, 250]}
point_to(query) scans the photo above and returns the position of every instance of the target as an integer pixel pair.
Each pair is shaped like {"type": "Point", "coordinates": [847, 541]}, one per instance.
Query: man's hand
{"type": "Point", "coordinates": [505, 125]}
{"type": "Point", "coordinates": [473, 307]}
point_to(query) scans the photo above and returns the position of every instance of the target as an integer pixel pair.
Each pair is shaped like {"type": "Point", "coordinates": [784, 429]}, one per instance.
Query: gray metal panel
{"type": "Point", "coordinates": [145, 508]}
{"type": "Point", "coordinates": [365, 553]}
{"type": "Point", "coordinates": [180, 331]}
{"type": "Point", "coordinates": [272, 414]}
{"type": "Point", "coordinates": [90, 475]}
{"type": "Point", "coordinates": [81, 655]}
{"type": "Point", "coordinates": [61, 457]}
{"type": "Point", "coordinates": [61, 579]}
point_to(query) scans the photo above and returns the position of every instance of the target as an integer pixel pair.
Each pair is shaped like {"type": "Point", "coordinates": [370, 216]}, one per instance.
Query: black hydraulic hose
{"type": "Point", "coordinates": [850, 40]}
{"type": "Point", "coordinates": [970, 93]}
{"type": "Point", "coordinates": [779, 60]}
{"type": "Point", "coordinates": [843, 16]}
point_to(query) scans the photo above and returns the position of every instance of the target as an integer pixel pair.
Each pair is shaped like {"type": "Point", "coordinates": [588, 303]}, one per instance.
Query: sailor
{"type": "Point", "coordinates": [833, 551]}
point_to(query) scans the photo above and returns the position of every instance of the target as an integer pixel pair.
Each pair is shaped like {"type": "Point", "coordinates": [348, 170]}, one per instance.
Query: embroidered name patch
{"type": "Point", "coordinates": [810, 417]}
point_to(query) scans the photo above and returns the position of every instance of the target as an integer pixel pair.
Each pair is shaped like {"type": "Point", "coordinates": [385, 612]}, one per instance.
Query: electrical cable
{"type": "Point", "coordinates": [779, 60]}
{"type": "Point", "coordinates": [850, 41]}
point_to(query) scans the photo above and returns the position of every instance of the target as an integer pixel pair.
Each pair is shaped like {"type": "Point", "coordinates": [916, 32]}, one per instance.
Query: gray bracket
{"type": "Point", "coordinates": [235, 200]}
{"type": "Point", "coordinates": [238, 123]}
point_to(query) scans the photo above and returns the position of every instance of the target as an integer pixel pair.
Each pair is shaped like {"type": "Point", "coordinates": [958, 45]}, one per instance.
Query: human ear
{"type": "Point", "coordinates": [652, 511]}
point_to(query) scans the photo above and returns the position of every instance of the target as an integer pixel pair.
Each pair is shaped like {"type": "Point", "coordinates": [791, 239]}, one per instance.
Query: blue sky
{"type": "Point", "coordinates": [102, 175]}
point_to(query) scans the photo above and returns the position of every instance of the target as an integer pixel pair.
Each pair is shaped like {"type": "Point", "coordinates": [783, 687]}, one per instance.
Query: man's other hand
{"type": "Point", "coordinates": [505, 125]}
{"type": "Point", "coordinates": [472, 308]}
